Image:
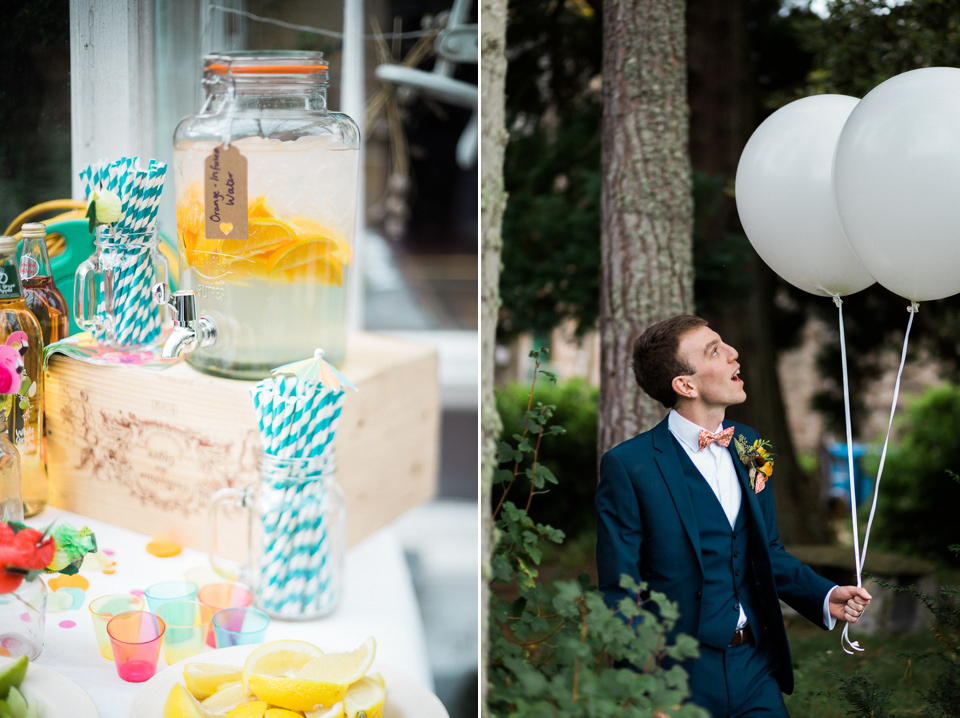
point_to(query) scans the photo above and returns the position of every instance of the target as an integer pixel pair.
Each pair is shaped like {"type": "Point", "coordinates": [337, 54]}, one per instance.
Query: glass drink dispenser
{"type": "Point", "coordinates": [265, 178]}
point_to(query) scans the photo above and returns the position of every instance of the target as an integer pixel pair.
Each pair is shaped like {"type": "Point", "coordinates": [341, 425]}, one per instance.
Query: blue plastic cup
{"type": "Point", "coordinates": [166, 591]}
{"type": "Point", "coordinates": [240, 626]}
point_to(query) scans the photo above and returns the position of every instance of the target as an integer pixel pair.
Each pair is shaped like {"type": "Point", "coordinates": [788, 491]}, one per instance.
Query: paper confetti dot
{"type": "Point", "coordinates": [108, 551]}
{"type": "Point", "coordinates": [25, 617]}
{"type": "Point", "coordinates": [65, 599]}
{"type": "Point", "coordinates": [162, 547]}
{"type": "Point", "coordinates": [96, 561]}
{"type": "Point", "coordinates": [67, 624]}
{"type": "Point", "coordinates": [75, 581]}
{"type": "Point", "coordinates": [137, 592]}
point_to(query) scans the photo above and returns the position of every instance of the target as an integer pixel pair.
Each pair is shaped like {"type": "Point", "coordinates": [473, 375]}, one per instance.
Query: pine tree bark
{"type": "Point", "coordinates": [647, 206]}
{"type": "Point", "coordinates": [493, 200]}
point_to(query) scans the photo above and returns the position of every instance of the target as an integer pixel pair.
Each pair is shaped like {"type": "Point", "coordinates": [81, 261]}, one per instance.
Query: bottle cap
{"type": "Point", "coordinates": [32, 230]}
{"type": "Point", "coordinates": [8, 244]}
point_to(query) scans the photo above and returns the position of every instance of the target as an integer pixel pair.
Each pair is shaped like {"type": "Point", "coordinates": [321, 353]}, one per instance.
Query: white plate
{"type": "Point", "coordinates": [406, 698]}
{"type": "Point", "coordinates": [53, 694]}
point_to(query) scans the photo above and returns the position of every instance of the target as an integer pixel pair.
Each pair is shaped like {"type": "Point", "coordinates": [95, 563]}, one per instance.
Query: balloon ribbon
{"type": "Point", "coordinates": [861, 557]}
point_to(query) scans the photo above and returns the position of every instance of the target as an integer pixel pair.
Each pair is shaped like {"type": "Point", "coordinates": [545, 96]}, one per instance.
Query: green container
{"type": "Point", "coordinates": [79, 247]}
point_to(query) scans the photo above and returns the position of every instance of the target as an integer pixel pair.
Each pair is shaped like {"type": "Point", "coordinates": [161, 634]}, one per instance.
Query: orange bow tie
{"type": "Point", "coordinates": [721, 437]}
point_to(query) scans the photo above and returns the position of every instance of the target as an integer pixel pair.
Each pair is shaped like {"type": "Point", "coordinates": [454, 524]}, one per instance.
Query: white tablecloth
{"type": "Point", "coordinates": [378, 601]}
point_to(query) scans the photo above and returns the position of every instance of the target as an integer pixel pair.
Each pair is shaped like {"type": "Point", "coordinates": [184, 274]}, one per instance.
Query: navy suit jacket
{"type": "Point", "coordinates": [646, 528]}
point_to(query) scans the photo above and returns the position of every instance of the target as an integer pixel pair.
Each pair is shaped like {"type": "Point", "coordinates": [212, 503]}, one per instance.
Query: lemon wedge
{"type": "Point", "coordinates": [367, 695]}
{"type": "Point", "coordinates": [203, 679]}
{"type": "Point", "coordinates": [334, 711]}
{"type": "Point", "coordinates": [228, 696]}
{"type": "Point", "coordinates": [180, 703]}
{"type": "Point", "coordinates": [250, 709]}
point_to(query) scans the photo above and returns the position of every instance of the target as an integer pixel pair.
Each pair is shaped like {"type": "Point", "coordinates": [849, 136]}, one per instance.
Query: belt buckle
{"type": "Point", "coordinates": [739, 637]}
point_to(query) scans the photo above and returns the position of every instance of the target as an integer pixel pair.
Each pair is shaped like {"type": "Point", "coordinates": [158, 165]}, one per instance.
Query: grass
{"type": "Point", "coordinates": [905, 664]}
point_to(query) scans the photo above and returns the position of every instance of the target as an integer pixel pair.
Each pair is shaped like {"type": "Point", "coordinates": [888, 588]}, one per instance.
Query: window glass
{"type": "Point", "coordinates": [34, 106]}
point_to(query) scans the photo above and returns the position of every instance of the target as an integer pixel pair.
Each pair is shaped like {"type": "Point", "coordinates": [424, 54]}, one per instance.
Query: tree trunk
{"type": "Point", "coordinates": [647, 206]}
{"type": "Point", "coordinates": [493, 201]}
{"type": "Point", "coordinates": [723, 114]}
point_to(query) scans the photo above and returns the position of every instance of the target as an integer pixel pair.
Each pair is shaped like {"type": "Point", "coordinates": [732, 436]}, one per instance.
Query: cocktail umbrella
{"type": "Point", "coordinates": [315, 370]}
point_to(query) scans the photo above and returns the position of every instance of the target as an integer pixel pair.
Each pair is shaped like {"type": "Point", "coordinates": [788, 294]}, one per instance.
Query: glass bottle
{"type": "Point", "coordinates": [46, 302]}
{"type": "Point", "coordinates": [11, 496]}
{"type": "Point", "coordinates": [22, 616]}
{"type": "Point", "coordinates": [272, 269]}
{"type": "Point", "coordinates": [25, 426]}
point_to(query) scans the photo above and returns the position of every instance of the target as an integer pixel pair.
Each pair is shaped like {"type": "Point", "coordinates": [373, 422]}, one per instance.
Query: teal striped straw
{"type": "Point", "coordinates": [134, 319]}
{"type": "Point", "coordinates": [297, 420]}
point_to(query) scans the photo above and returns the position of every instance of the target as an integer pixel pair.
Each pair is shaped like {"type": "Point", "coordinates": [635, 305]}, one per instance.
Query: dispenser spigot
{"type": "Point", "coordinates": [190, 332]}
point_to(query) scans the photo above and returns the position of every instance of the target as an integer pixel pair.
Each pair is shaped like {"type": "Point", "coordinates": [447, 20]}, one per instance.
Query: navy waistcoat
{"type": "Point", "coordinates": [727, 579]}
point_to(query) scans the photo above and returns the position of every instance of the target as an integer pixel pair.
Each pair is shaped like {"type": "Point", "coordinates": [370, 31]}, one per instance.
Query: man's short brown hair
{"type": "Point", "coordinates": [657, 360]}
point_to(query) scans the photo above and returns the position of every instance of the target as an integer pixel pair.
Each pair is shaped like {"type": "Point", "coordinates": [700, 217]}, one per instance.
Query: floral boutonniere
{"type": "Point", "coordinates": [758, 460]}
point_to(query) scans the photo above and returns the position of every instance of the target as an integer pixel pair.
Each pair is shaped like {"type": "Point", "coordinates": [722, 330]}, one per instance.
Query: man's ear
{"type": "Point", "coordinates": [684, 387]}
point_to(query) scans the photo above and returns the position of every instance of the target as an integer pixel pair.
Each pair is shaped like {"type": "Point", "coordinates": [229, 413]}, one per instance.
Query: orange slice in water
{"type": "Point", "coordinates": [323, 271]}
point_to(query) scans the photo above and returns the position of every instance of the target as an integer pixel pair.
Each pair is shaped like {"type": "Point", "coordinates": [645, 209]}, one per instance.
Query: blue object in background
{"type": "Point", "coordinates": [838, 472]}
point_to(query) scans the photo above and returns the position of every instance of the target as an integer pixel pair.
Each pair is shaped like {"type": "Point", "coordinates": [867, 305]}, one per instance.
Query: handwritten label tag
{"type": "Point", "coordinates": [225, 194]}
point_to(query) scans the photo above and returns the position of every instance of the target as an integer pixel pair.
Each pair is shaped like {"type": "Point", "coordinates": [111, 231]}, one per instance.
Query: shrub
{"type": "Point", "coordinates": [573, 461]}
{"type": "Point", "coordinates": [558, 651]}
{"type": "Point", "coordinates": [918, 500]}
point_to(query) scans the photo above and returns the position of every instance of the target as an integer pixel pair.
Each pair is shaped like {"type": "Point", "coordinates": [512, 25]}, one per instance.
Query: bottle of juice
{"type": "Point", "coordinates": [43, 298]}
{"type": "Point", "coordinates": [11, 496]}
{"type": "Point", "coordinates": [25, 413]}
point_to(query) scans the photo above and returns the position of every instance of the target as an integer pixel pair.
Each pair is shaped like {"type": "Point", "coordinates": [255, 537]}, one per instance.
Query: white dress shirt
{"type": "Point", "coordinates": [715, 462]}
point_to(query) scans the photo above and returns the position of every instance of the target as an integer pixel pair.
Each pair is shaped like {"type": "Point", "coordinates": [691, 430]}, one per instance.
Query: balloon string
{"type": "Point", "coordinates": [862, 557]}
{"type": "Point", "coordinates": [912, 309]}
{"type": "Point", "coordinates": [845, 637]}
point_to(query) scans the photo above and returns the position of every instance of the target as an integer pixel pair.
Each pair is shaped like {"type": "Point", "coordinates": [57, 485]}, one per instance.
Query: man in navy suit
{"type": "Point", "coordinates": [679, 509]}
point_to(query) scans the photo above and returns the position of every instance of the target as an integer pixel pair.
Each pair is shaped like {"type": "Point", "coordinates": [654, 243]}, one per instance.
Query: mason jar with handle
{"type": "Point", "coordinates": [296, 536]}
{"type": "Point", "coordinates": [266, 180]}
{"type": "Point", "coordinates": [112, 290]}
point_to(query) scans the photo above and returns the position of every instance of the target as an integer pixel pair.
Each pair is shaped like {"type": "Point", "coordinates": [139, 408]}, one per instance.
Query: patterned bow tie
{"type": "Point", "coordinates": [721, 437]}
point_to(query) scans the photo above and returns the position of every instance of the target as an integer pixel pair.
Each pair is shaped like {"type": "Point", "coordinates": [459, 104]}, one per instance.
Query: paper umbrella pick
{"type": "Point", "coordinates": [315, 370]}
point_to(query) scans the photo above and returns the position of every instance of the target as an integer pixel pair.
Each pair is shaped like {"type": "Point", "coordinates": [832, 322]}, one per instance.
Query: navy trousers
{"type": "Point", "coordinates": [736, 682]}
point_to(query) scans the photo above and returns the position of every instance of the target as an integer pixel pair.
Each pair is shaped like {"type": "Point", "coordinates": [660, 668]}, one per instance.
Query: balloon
{"type": "Point", "coordinates": [785, 197]}
{"type": "Point", "coordinates": [897, 183]}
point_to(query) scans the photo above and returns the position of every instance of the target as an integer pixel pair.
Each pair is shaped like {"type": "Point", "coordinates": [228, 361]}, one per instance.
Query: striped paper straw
{"type": "Point", "coordinates": [133, 319]}
{"type": "Point", "coordinates": [297, 420]}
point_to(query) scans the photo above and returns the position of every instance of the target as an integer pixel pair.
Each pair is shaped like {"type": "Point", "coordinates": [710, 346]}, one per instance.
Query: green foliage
{"type": "Point", "coordinates": [866, 697]}
{"type": "Point", "coordinates": [572, 461]}
{"type": "Point", "coordinates": [559, 650]}
{"type": "Point", "coordinates": [918, 499]}
{"type": "Point", "coordinates": [551, 225]}
{"type": "Point", "coordinates": [864, 42]}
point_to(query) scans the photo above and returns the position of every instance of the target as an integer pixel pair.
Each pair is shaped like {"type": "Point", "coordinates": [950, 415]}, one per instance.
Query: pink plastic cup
{"type": "Point", "coordinates": [135, 637]}
{"type": "Point", "coordinates": [223, 595]}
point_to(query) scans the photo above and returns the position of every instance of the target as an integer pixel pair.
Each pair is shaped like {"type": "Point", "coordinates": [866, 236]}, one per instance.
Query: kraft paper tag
{"type": "Point", "coordinates": [225, 194]}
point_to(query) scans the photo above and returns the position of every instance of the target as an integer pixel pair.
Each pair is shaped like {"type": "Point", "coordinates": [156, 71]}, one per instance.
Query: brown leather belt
{"type": "Point", "coordinates": [744, 635]}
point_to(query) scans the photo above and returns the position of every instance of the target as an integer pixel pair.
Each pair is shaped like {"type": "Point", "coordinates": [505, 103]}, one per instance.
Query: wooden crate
{"type": "Point", "coordinates": [145, 449]}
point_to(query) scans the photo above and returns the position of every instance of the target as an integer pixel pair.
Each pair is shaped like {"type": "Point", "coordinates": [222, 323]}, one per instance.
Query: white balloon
{"type": "Point", "coordinates": [785, 196]}
{"type": "Point", "coordinates": [897, 182]}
